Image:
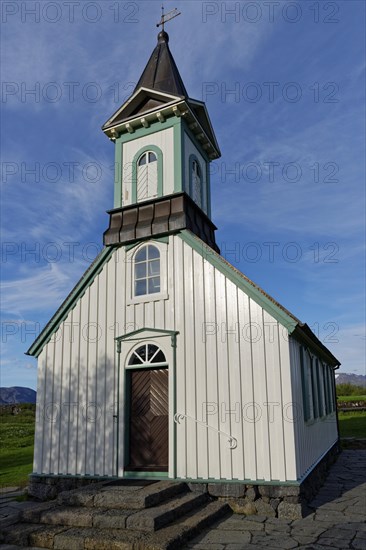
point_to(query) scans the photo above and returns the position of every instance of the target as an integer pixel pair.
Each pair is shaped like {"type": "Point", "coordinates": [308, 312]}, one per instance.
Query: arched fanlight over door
{"type": "Point", "coordinates": [147, 354]}
{"type": "Point", "coordinates": [147, 176]}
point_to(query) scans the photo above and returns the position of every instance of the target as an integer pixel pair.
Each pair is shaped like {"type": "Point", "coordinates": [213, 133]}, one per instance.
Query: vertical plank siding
{"type": "Point", "coordinates": [236, 375]}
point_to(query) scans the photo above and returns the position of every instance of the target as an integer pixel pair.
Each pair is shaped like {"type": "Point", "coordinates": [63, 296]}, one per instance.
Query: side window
{"type": "Point", "coordinates": [147, 176]}
{"type": "Point", "coordinates": [147, 271]}
{"type": "Point", "coordinates": [196, 179]}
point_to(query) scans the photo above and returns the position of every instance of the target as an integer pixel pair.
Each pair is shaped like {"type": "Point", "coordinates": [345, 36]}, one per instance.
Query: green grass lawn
{"type": "Point", "coordinates": [16, 445]}
{"type": "Point", "coordinates": [352, 424]}
{"type": "Point", "coordinates": [350, 398]}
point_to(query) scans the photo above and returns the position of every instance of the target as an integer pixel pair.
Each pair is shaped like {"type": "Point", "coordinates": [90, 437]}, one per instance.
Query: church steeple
{"type": "Point", "coordinates": [164, 143]}
{"type": "Point", "coordinates": [161, 72]}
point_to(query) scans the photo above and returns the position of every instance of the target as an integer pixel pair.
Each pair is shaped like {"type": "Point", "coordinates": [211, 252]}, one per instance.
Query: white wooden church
{"type": "Point", "coordinates": [165, 361]}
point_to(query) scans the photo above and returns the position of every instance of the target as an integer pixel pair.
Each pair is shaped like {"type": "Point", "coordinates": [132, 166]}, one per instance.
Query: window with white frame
{"type": "Point", "coordinates": [147, 274]}
{"type": "Point", "coordinates": [147, 176]}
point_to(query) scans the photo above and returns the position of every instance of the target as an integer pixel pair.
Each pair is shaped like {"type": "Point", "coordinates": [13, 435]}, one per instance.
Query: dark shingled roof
{"type": "Point", "coordinates": [161, 72]}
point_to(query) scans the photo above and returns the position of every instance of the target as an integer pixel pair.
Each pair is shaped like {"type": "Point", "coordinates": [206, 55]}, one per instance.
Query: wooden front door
{"type": "Point", "coordinates": [148, 420]}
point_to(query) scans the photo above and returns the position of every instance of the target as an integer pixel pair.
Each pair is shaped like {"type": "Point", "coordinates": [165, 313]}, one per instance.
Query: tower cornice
{"type": "Point", "coordinates": [179, 109]}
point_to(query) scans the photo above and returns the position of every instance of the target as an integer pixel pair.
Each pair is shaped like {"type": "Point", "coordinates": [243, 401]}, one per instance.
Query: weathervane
{"type": "Point", "coordinates": [167, 16]}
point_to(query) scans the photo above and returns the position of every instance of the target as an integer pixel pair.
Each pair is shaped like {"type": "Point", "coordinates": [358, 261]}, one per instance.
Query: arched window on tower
{"type": "Point", "coordinates": [196, 183]}
{"type": "Point", "coordinates": [147, 176]}
{"type": "Point", "coordinates": [147, 271]}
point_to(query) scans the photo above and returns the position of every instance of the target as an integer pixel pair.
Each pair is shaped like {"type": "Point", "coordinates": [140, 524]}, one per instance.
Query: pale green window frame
{"type": "Point", "coordinates": [320, 387]}
{"type": "Point", "coordinates": [332, 391]}
{"type": "Point", "coordinates": [306, 384]}
{"type": "Point", "coordinates": [193, 158]}
{"type": "Point", "coordinates": [314, 385]}
{"type": "Point", "coordinates": [328, 391]}
{"type": "Point", "coordinates": [323, 374]}
{"type": "Point", "coordinates": [159, 154]}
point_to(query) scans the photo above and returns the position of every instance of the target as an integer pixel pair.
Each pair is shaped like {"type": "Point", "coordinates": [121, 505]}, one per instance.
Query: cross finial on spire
{"type": "Point", "coordinates": [167, 17]}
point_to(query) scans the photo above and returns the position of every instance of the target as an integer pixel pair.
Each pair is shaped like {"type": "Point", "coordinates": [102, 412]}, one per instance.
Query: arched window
{"type": "Point", "coordinates": [147, 354]}
{"type": "Point", "coordinates": [147, 176]}
{"type": "Point", "coordinates": [147, 271]}
{"type": "Point", "coordinates": [196, 183]}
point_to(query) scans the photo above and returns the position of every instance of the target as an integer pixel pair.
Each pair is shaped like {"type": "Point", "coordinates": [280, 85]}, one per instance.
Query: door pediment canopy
{"type": "Point", "coordinates": [145, 333]}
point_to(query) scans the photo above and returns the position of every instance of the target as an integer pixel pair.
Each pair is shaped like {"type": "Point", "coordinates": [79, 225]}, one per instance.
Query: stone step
{"type": "Point", "coordinates": [157, 517]}
{"type": "Point", "coordinates": [93, 538]}
{"type": "Point", "coordinates": [145, 520]}
{"type": "Point", "coordinates": [178, 534]}
{"type": "Point", "coordinates": [121, 497]}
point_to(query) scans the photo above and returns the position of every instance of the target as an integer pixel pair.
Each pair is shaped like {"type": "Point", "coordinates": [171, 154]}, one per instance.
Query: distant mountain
{"type": "Point", "coordinates": [17, 394]}
{"type": "Point", "coordinates": [354, 379]}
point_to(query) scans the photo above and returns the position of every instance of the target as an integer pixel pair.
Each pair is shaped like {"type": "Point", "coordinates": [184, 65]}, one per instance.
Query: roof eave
{"type": "Point", "coordinates": [306, 336]}
{"type": "Point", "coordinates": [178, 108]}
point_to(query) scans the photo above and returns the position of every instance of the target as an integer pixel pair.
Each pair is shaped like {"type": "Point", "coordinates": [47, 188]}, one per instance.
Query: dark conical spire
{"type": "Point", "coordinates": [161, 73]}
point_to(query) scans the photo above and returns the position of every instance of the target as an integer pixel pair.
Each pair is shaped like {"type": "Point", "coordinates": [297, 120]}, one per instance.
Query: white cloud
{"type": "Point", "coordinates": [42, 291]}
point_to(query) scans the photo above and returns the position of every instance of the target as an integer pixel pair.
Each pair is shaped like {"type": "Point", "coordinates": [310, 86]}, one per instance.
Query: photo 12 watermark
{"type": "Point", "coordinates": [67, 92]}
{"type": "Point", "coordinates": [69, 11]}
{"type": "Point", "coordinates": [273, 171]}
{"type": "Point", "coordinates": [275, 252]}
{"type": "Point", "coordinates": [271, 92]}
{"type": "Point", "coordinates": [248, 11]}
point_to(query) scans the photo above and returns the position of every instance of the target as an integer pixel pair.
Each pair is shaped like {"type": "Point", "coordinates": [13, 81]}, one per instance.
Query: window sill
{"type": "Point", "coordinates": [147, 298]}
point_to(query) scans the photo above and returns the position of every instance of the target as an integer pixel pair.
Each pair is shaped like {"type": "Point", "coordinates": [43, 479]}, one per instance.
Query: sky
{"type": "Point", "coordinates": [284, 85]}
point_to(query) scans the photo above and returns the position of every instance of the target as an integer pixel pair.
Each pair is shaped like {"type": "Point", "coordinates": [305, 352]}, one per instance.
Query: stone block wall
{"type": "Point", "coordinates": [281, 501]}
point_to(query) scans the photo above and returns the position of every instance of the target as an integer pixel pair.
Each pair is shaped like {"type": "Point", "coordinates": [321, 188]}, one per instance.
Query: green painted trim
{"type": "Point", "coordinates": [127, 406]}
{"type": "Point", "coordinates": [146, 329]}
{"type": "Point", "coordinates": [155, 127]}
{"type": "Point", "coordinates": [140, 152]}
{"type": "Point", "coordinates": [226, 269]}
{"type": "Point", "coordinates": [131, 246]}
{"type": "Point", "coordinates": [232, 481]}
{"type": "Point", "coordinates": [314, 389]}
{"type": "Point", "coordinates": [72, 476]}
{"type": "Point", "coordinates": [174, 403]}
{"type": "Point", "coordinates": [208, 189]}
{"type": "Point", "coordinates": [304, 386]}
{"type": "Point", "coordinates": [178, 158]}
{"type": "Point", "coordinates": [192, 158]}
{"type": "Point", "coordinates": [195, 141]}
{"type": "Point", "coordinates": [70, 301]}
{"type": "Point", "coordinates": [118, 399]}
{"type": "Point", "coordinates": [153, 475]}
{"type": "Point", "coordinates": [145, 475]}
{"type": "Point", "coordinates": [118, 172]}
